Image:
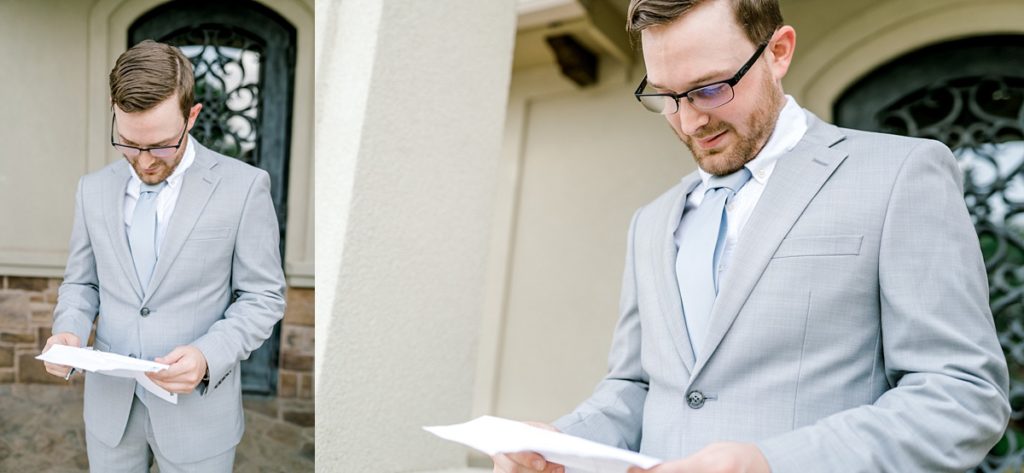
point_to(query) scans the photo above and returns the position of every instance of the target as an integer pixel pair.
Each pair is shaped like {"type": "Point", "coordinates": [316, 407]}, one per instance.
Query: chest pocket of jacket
{"type": "Point", "coordinates": [209, 233]}
{"type": "Point", "coordinates": [828, 245]}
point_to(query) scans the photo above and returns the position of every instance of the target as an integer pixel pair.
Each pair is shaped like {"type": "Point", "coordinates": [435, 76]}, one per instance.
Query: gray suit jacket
{"type": "Point", "coordinates": [851, 333]}
{"type": "Point", "coordinates": [217, 285]}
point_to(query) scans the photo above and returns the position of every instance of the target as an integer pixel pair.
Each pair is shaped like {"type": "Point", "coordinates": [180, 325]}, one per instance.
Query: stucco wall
{"type": "Point", "coordinates": [410, 103]}
{"type": "Point", "coordinates": [43, 54]}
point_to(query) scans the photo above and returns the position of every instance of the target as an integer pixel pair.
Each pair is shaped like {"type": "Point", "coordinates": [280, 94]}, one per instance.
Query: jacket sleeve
{"type": "Point", "coordinates": [257, 283]}
{"type": "Point", "coordinates": [78, 299]}
{"type": "Point", "coordinates": [613, 414]}
{"type": "Point", "coordinates": [947, 404]}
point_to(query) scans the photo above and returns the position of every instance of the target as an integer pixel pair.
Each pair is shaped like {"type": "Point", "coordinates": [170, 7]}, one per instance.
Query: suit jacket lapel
{"type": "Point", "coordinates": [796, 179]}
{"type": "Point", "coordinates": [197, 186]}
{"type": "Point", "coordinates": [113, 212]}
{"type": "Point", "coordinates": [665, 266]}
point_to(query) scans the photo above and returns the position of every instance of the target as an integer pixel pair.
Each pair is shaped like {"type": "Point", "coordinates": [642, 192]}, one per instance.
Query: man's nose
{"type": "Point", "coordinates": [145, 159]}
{"type": "Point", "coordinates": [689, 119]}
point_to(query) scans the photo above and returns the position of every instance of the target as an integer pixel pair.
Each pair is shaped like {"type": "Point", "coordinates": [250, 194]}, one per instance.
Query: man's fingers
{"type": "Point", "coordinates": [172, 357]}
{"type": "Point", "coordinates": [167, 375]}
{"type": "Point", "coordinates": [504, 464]}
{"type": "Point", "coordinates": [177, 368]}
{"type": "Point", "coordinates": [531, 460]}
{"type": "Point", "coordinates": [554, 468]}
{"type": "Point", "coordinates": [72, 340]}
{"type": "Point", "coordinates": [56, 370]}
{"type": "Point", "coordinates": [174, 387]}
{"type": "Point", "coordinates": [63, 338]}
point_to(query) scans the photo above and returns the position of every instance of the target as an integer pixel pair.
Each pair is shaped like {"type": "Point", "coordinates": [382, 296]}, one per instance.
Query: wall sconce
{"type": "Point", "coordinates": [576, 61]}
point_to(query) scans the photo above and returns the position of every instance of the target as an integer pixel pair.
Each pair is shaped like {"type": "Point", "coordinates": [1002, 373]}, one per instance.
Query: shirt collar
{"type": "Point", "coordinates": [789, 130]}
{"type": "Point", "coordinates": [174, 180]}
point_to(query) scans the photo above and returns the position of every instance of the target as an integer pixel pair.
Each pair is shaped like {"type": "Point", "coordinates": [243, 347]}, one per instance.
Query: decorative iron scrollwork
{"type": "Point", "coordinates": [227, 71]}
{"type": "Point", "coordinates": [981, 119]}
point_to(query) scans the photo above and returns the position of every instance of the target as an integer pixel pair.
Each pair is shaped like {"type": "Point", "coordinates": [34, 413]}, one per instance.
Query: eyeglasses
{"type": "Point", "coordinates": [705, 97]}
{"type": "Point", "coordinates": [161, 152]}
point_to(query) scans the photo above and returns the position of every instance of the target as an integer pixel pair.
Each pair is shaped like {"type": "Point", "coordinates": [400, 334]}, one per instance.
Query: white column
{"type": "Point", "coordinates": [411, 102]}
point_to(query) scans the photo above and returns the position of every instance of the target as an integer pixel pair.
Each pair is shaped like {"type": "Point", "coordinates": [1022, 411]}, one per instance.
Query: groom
{"type": "Point", "coordinates": [174, 255]}
{"type": "Point", "coordinates": [811, 299]}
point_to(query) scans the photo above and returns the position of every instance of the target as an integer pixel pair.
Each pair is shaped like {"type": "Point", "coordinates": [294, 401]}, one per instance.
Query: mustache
{"type": "Point", "coordinates": [705, 134]}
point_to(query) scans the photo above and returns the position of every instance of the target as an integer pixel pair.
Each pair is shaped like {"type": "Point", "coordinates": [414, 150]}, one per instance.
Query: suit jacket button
{"type": "Point", "coordinates": [144, 312]}
{"type": "Point", "coordinates": [695, 399]}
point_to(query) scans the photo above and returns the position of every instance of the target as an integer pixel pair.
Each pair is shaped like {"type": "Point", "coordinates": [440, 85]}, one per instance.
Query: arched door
{"type": "Point", "coordinates": [244, 59]}
{"type": "Point", "coordinates": [969, 94]}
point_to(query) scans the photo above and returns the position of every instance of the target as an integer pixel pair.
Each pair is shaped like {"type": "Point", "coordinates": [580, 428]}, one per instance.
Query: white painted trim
{"type": "Point", "coordinates": [525, 7]}
{"type": "Point", "coordinates": [535, 13]}
{"type": "Point", "coordinates": [863, 43]}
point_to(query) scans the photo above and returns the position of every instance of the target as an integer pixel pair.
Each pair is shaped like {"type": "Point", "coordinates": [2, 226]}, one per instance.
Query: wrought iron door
{"type": "Point", "coordinates": [969, 94]}
{"type": "Point", "coordinates": [244, 60]}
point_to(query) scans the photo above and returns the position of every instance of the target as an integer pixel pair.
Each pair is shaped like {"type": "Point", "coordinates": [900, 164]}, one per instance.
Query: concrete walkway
{"type": "Point", "coordinates": [41, 430]}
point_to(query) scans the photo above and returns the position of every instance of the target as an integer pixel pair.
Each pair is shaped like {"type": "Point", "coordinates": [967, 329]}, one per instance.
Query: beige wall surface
{"type": "Point", "coordinates": [56, 124]}
{"type": "Point", "coordinates": [409, 116]}
{"type": "Point", "coordinates": [578, 162]}
{"type": "Point", "coordinates": [43, 56]}
{"type": "Point", "coordinates": [583, 160]}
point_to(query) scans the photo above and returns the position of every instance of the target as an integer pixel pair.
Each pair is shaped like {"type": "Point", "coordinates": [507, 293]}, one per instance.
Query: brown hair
{"type": "Point", "coordinates": [758, 18]}
{"type": "Point", "coordinates": [147, 74]}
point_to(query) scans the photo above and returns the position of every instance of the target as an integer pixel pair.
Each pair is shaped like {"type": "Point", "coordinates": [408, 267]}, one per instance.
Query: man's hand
{"type": "Point", "coordinates": [63, 338]}
{"type": "Point", "coordinates": [722, 457]}
{"type": "Point", "coordinates": [188, 366]}
{"type": "Point", "coordinates": [526, 462]}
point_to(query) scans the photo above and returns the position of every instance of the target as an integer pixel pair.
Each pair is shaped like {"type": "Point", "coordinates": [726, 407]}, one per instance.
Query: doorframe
{"type": "Point", "coordinates": [109, 21]}
{"type": "Point", "coordinates": [834, 62]}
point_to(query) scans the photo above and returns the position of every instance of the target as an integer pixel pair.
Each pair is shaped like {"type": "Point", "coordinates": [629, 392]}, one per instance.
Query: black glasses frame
{"type": "Point", "coordinates": [731, 82]}
{"type": "Point", "coordinates": [118, 146]}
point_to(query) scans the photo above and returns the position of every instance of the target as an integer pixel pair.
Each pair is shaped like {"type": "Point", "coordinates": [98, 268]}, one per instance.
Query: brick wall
{"type": "Point", "coordinates": [295, 373]}
{"type": "Point", "coordinates": [26, 317]}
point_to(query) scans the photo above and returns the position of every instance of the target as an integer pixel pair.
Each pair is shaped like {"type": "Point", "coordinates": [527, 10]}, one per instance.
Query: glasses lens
{"type": "Point", "coordinates": [659, 104]}
{"type": "Point", "coordinates": [712, 96]}
{"type": "Point", "coordinates": [163, 152]}
{"type": "Point", "coordinates": [127, 150]}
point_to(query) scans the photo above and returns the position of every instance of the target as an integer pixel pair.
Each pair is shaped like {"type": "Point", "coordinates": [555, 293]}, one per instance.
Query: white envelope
{"type": "Point", "coordinates": [493, 435]}
{"type": "Point", "coordinates": [110, 364]}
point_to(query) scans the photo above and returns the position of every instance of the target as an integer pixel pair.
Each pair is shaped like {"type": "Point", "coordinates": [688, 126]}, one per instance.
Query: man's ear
{"type": "Point", "coordinates": [780, 51]}
{"type": "Point", "coordinates": [193, 113]}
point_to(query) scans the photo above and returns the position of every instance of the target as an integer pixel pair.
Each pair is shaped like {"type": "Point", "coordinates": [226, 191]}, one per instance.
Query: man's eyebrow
{"type": "Point", "coordinates": [706, 79]}
{"type": "Point", "coordinates": [158, 144]}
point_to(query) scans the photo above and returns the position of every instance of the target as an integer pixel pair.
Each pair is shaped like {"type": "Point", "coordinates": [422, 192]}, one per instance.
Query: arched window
{"type": "Point", "coordinates": [969, 94]}
{"type": "Point", "coordinates": [244, 59]}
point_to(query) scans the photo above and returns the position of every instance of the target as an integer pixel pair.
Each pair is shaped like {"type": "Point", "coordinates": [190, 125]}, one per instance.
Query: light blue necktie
{"type": "Point", "coordinates": [700, 248]}
{"type": "Point", "coordinates": [142, 234]}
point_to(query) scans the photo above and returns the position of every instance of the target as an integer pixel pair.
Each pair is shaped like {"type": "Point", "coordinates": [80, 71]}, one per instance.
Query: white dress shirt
{"type": "Point", "coordinates": [789, 130]}
{"type": "Point", "coordinates": [167, 198]}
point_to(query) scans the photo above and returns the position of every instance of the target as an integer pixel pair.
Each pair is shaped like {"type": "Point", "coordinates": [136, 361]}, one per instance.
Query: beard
{"type": "Point", "coordinates": [160, 169]}
{"type": "Point", "coordinates": [761, 123]}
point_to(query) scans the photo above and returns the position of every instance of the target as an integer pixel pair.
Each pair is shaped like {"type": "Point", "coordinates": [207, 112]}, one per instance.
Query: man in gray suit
{"type": "Point", "coordinates": [174, 254]}
{"type": "Point", "coordinates": [811, 299]}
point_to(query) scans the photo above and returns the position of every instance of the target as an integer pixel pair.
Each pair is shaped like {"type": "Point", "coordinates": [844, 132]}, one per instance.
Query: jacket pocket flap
{"type": "Point", "coordinates": [209, 233]}
{"type": "Point", "coordinates": [836, 245]}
